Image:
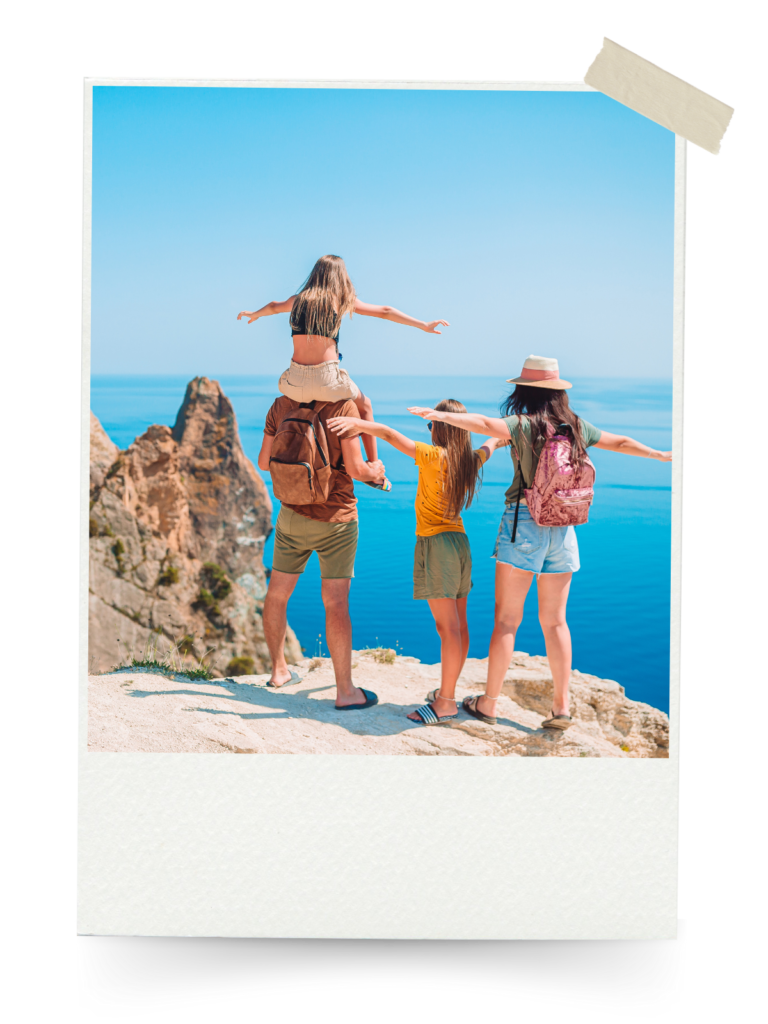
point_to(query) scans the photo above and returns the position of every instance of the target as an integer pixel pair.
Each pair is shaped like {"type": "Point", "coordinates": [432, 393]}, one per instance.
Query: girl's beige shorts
{"type": "Point", "coordinates": [324, 382]}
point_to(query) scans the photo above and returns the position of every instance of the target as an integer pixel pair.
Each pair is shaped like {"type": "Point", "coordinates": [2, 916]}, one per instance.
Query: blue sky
{"type": "Point", "coordinates": [532, 221]}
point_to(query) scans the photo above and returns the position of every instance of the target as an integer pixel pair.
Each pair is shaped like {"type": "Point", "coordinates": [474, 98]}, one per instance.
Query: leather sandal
{"type": "Point", "coordinates": [560, 722]}
{"type": "Point", "coordinates": [470, 706]}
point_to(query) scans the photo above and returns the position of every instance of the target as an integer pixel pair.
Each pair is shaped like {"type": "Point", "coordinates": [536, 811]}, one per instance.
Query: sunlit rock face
{"type": "Point", "coordinates": [177, 529]}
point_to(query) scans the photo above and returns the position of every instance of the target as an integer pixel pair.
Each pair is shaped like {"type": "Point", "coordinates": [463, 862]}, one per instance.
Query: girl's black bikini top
{"type": "Point", "coordinates": [299, 326]}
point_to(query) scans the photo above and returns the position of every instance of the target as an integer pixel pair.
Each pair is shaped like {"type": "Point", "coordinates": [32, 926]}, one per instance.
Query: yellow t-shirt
{"type": "Point", "coordinates": [430, 504]}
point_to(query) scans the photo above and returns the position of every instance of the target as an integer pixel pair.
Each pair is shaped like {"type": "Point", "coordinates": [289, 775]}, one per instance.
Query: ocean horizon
{"type": "Point", "coordinates": [619, 605]}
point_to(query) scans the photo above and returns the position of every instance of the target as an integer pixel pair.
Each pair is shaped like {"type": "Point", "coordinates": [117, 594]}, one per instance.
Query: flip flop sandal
{"type": "Point", "coordinates": [290, 682]}
{"type": "Point", "coordinates": [370, 700]}
{"type": "Point", "coordinates": [386, 486]}
{"type": "Point", "coordinates": [560, 722]}
{"type": "Point", "coordinates": [428, 716]}
{"type": "Point", "coordinates": [472, 710]}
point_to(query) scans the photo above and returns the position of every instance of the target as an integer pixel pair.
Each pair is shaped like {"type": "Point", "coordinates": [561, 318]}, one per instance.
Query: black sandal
{"type": "Point", "coordinates": [370, 700]}
{"type": "Point", "coordinates": [473, 709]}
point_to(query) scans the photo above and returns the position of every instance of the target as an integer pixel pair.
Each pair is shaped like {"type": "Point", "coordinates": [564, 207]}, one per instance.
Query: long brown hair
{"type": "Point", "coordinates": [461, 468]}
{"type": "Point", "coordinates": [546, 408]}
{"type": "Point", "coordinates": [324, 298]}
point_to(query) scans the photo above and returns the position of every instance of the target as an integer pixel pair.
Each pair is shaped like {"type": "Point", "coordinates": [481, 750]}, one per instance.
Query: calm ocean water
{"type": "Point", "coordinates": [619, 606]}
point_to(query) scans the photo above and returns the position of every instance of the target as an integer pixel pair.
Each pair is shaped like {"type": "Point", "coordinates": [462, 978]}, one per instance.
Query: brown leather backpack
{"type": "Point", "coordinates": [300, 462]}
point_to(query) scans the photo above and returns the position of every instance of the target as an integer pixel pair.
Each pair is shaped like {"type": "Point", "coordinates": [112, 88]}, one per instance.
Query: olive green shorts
{"type": "Point", "coordinates": [296, 537]}
{"type": "Point", "coordinates": [442, 567]}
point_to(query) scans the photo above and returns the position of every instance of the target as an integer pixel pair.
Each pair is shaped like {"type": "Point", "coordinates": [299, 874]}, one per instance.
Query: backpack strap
{"type": "Point", "coordinates": [520, 490]}
{"type": "Point", "coordinates": [522, 477]}
{"type": "Point", "coordinates": [315, 405]}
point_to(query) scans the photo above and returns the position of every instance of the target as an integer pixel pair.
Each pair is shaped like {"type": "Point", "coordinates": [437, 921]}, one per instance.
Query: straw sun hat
{"type": "Point", "coordinates": [541, 372]}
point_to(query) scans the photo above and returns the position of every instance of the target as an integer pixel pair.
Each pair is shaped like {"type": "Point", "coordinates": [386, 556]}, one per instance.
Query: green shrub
{"type": "Point", "coordinates": [164, 668]}
{"type": "Point", "coordinates": [207, 602]}
{"type": "Point", "coordinates": [168, 576]}
{"type": "Point", "coordinates": [118, 550]}
{"type": "Point", "coordinates": [93, 527]}
{"type": "Point", "coordinates": [240, 667]}
{"type": "Point", "coordinates": [216, 580]}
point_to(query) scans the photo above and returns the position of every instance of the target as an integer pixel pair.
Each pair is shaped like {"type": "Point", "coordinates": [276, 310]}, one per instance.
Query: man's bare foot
{"type": "Point", "coordinates": [280, 678]}
{"type": "Point", "coordinates": [355, 696]}
{"type": "Point", "coordinates": [442, 708]}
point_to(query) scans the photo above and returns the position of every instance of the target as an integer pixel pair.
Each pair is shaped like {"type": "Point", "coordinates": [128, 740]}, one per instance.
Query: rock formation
{"type": "Point", "coordinates": [177, 528]}
{"type": "Point", "coordinates": [152, 713]}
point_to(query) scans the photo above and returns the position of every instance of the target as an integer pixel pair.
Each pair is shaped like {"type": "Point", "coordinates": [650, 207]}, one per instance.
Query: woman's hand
{"type": "Point", "coordinates": [426, 414]}
{"type": "Point", "coordinates": [430, 327]}
{"type": "Point", "coordinates": [346, 426]}
{"type": "Point", "coordinates": [251, 316]}
{"type": "Point", "coordinates": [662, 456]}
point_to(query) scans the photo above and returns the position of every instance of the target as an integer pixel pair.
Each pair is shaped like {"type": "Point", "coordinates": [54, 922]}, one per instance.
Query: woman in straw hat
{"type": "Point", "coordinates": [537, 407]}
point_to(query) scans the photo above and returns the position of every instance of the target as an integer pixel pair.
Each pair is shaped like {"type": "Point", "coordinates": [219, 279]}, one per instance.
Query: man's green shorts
{"type": "Point", "coordinates": [442, 566]}
{"type": "Point", "coordinates": [296, 537]}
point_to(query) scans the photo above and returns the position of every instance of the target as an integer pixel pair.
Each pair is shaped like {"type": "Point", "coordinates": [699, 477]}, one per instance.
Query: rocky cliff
{"type": "Point", "coordinates": [153, 713]}
{"type": "Point", "coordinates": [177, 528]}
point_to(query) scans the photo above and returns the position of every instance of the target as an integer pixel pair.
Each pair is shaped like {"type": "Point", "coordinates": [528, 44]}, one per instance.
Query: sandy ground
{"type": "Point", "coordinates": [153, 713]}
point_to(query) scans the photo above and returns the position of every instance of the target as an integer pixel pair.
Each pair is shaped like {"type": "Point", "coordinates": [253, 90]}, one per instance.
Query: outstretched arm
{"type": "Point", "coordinates": [466, 420]}
{"type": "Point", "coordinates": [269, 310]}
{"type": "Point", "coordinates": [390, 313]}
{"type": "Point", "coordinates": [489, 445]}
{"type": "Point", "coordinates": [628, 446]}
{"type": "Point", "coordinates": [357, 467]}
{"type": "Point", "coordinates": [351, 426]}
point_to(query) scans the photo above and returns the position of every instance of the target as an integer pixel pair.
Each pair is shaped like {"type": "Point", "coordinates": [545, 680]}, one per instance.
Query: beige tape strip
{"type": "Point", "coordinates": [656, 94]}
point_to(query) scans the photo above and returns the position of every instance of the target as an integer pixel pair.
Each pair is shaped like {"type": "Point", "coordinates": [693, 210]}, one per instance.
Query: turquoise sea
{"type": "Point", "coordinates": [620, 599]}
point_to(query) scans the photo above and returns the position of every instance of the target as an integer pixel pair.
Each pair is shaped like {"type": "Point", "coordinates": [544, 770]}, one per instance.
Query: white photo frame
{"type": "Point", "coordinates": [349, 847]}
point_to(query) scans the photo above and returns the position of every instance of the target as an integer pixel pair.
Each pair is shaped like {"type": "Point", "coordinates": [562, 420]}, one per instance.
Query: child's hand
{"type": "Point", "coordinates": [252, 316]}
{"type": "Point", "coordinates": [430, 328]}
{"type": "Point", "coordinates": [345, 426]}
{"type": "Point", "coordinates": [378, 471]}
{"type": "Point", "coordinates": [426, 414]}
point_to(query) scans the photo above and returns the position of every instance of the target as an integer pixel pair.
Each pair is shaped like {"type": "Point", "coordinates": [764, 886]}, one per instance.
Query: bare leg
{"type": "Point", "coordinates": [512, 587]}
{"type": "Point", "coordinates": [338, 636]}
{"type": "Point", "coordinates": [274, 617]}
{"type": "Point", "coordinates": [365, 408]}
{"type": "Point", "coordinates": [553, 597]}
{"type": "Point", "coordinates": [451, 623]}
{"type": "Point", "coordinates": [461, 608]}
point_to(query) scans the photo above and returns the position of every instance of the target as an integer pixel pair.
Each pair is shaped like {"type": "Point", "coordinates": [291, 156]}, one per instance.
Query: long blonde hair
{"type": "Point", "coordinates": [461, 468]}
{"type": "Point", "coordinates": [324, 298]}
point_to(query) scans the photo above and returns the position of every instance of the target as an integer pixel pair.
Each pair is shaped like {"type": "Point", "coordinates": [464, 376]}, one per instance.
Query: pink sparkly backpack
{"type": "Point", "coordinates": [561, 493]}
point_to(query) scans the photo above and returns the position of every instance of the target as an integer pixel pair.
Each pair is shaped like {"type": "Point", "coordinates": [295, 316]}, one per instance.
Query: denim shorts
{"type": "Point", "coordinates": [539, 549]}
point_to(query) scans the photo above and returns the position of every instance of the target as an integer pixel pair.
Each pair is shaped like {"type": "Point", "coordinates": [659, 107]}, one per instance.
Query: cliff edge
{"type": "Point", "coordinates": [153, 713]}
